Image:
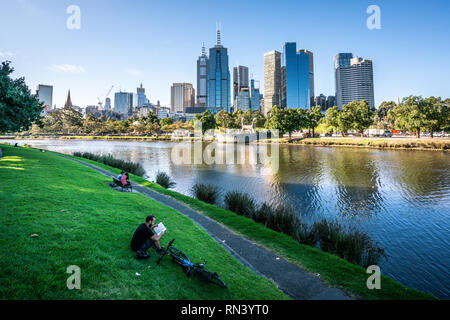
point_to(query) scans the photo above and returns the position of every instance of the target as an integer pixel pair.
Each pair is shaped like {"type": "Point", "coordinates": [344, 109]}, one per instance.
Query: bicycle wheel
{"type": "Point", "coordinates": [179, 257]}
{"type": "Point", "coordinates": [165, 251]}
{"type": "Point", "coordinates": [212, 277]}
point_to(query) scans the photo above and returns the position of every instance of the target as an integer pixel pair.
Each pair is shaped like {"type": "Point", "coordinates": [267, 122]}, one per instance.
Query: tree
{"type": "Point", "coordinates": [332, 118]}
{"type": "Point", "coordinates": [19, 109]}
{"type": "Point", "coordinates": [362, 115]}
{"type": "Point", "coordinates": [285, 120]}
{"type": "Point", "coordinates": [313, 118]}
{"type": "Point", "coordinates": [260, 119]}
{"type": "Point", "coordinates": [437, 114]}
{"type": "Point", "coordinates": [224, 120]}
{"type": "Point", "coordinates": [165, 121]}
{"type": "Point", "coordinates": [410, 114]}
{"type": "Point", "coordinates": [207, 119]}
{"type": "Point", "coordinates": [383, 117]}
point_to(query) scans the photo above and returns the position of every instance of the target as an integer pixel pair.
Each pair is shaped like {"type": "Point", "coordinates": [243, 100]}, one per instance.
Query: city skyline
{"type": "Point", "coordinates": [44, 51]}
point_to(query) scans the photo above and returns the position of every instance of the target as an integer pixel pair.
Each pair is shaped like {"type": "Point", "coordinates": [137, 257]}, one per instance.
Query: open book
{"type": "Point", "coordinates": [159, 228]}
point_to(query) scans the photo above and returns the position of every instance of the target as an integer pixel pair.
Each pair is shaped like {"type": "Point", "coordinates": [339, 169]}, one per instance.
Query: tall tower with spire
{"type": "Point", "coordinates": [202, 78]}
{"type": "Point", "coordinates": [218, 90]}
{"type": "Point", "coordinates": [68, 103]}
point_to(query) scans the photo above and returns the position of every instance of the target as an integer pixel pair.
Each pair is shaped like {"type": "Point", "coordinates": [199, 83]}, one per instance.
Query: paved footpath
{"type": "Point", "coordinates": [290, 278]}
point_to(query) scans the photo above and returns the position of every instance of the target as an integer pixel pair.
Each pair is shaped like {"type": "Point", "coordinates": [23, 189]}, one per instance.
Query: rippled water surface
{"type": "Point", "coordinates": [401, 198]}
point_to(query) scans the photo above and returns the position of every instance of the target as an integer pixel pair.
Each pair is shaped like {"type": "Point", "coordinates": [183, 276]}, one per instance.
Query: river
{"type": "Point", "coordinates": [401, 198]}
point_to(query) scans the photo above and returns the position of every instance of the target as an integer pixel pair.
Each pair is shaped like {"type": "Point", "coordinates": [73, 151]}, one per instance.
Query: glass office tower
{"type": "Point", "coordinates": [297, 77]}
{"type": "Point", "coordinates": [218, 78]}
{"type": "Point", "coordinates": [202, 78]}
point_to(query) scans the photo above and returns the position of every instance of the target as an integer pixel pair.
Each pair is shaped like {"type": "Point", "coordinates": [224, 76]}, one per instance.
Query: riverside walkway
{"type": "Point", "coordinates": [290, 278]}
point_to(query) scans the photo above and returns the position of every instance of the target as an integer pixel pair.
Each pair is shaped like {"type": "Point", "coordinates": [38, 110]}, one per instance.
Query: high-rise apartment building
{"type": "Point", "coordinates": [107, 104]}
{"type": "Point", "coordinates": [272, 80]}
{"type": "Point", "coordinates": [240, 79]}
{"type": "Point", "coordinates": [45, 94]}
{"type": "Point", "coordinates": [125, 102]}
{"type": "Point", "coordinates": [255, 95]}
{"type": "Point", "coordinates": [182, 96]}
{"type": "Point", "coordinates": [297, 77]}
{"type": "Point", "coordinates": [202, 78]}
{"type": "Point", "coordinates": [141, 97]}
{"type": "Point", "coordinates": [218, 78]}
{"type": "Point", "coordinates": [354, 79]}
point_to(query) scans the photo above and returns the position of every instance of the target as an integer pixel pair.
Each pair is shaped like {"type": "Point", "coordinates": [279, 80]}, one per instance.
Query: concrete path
{"type": "Point", "coordinates": [290, 278]}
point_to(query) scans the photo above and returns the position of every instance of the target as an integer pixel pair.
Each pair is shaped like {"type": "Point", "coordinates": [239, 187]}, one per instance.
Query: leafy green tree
{"type": "Point", "coordinates": [165, 121]}
{"type": "Point", "coordinates": [237, 118]}
{"type": "Point", "coordinates": [383, 117]}
{"type": "Point", "coordinates": [260, 119]}
{"type": "Point", "coordinates": [19, 109]}
{"type": "Point", "coordinates": [437, 114]}
{"type": "Point", "coordinates": [312, 118]}
{"type": "Point", "coordinates": [207, 119]}
{"type": "Point", "coordinates": [410, 114]}
{"type": "Point", "coordinates": [224, 120]}
{"type": "Point", "coordinates": [332, 118]}
{"type": "Point", "coordinates": [362, 115]}
{"type": "Point", "coordinates": [152, 127]}
{"type": "Point", "coordinates": [285, 120]}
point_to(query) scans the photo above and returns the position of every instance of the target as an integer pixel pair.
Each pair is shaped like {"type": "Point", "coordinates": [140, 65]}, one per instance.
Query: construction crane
{"type": "Point", "coordinates": [100, 103]}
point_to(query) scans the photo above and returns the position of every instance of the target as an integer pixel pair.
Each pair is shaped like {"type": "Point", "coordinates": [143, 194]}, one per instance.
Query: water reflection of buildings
{"type": "Point", "coordinates": [357, 182]}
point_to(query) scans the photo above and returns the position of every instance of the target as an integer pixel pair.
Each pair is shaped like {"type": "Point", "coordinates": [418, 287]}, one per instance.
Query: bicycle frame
{"type": "Point", "coordinates": [190, 268]}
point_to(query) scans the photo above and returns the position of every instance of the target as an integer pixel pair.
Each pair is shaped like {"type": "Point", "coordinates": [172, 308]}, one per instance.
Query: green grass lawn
{"type": "Point", "coordinates": [333, 270]}
{"type": "Point", "coordinates": [81, 221]}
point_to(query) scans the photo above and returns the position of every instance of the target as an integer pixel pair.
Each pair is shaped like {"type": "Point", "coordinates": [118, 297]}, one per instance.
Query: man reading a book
{"type": "Point", "coordinates": [144, 238]}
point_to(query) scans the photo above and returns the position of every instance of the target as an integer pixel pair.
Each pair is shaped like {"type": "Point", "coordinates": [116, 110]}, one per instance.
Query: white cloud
{"type": "Point", "coordinates": [133, 72]}
{"type": "Point", "coordinates": [68, 68]}
{"type": "Point", "coordinates": [6, 53]}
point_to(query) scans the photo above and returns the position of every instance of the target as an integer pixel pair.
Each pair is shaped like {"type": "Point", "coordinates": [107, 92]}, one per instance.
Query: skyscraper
{"type": "Point", "coordinates": [272, 80]}
{"type": "Point", "coordinates": [45, 94]}
{"type": "Point", "coordinates": [107, 104]}
{"type": "Point", "coordinates": [240, 79]}
{"type": "Point", "coordinates": [182, 96]}
{"type": "Point", "coordinates": [297, 77]}
{"type": "Point", "coordinates": [311, 73]}
{"type": "Point", "coordinates": [218, 78]}
{"type": "Point", "coordinates": [124, 102]}
{"type": "Point", "coordinates": [354, 79]}
{"type": "Point", "coordinates": [202, 78]}
{"type": "Point", "coordinates": [141, 97]}
{"type": "Point", "coordinates": [255, 95]}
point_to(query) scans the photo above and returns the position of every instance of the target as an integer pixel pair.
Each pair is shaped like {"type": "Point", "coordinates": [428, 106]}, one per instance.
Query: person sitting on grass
{"type": "Point", "coordinates": [144, 238]}
{"type": "Point", "coordinates": [120, 175]}
{"type": "Point", "coordinates": [124, 179]}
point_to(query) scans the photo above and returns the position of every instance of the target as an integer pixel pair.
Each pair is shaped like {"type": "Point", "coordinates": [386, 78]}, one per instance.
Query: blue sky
{"type": "Point", "coordinates": [123, 43]}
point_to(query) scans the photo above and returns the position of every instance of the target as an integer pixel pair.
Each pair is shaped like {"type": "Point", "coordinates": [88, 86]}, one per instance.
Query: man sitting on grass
{"type": "Point", "coordinates": [144, 238]}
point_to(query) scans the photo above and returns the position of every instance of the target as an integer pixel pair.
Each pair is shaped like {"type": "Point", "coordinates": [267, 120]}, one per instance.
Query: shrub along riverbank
{"type": "Point", "coordinates": [334, 270]}
{"type": "Point", "coordinates": [56, 213]}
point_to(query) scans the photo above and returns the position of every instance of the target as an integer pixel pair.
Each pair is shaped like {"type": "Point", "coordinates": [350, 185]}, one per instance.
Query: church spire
{"type": "Point", "coordinates": [68, 101]}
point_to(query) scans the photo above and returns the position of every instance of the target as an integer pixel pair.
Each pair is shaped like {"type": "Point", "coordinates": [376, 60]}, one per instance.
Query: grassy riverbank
{"type": "Point", "coordinates": [379, 143]}
{"type": "Point", "coordinates": [436, 144]}
{"type": "Point", "coordinates": [81, 221]}
{"type": "Point", "coordinates": [332, 269]}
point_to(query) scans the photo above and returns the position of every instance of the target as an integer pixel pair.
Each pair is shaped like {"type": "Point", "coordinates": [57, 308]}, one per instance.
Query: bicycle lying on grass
{"type": "Point", "coordinates": [189, 268]}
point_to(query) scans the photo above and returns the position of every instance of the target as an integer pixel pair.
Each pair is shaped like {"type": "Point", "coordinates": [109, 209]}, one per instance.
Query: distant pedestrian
{"type": "Point", "coordinates": [124, 179]}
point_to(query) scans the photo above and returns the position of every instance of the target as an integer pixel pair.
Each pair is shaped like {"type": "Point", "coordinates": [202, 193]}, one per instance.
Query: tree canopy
{"type": "Point", "coordinates": [19, 109]}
